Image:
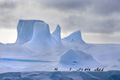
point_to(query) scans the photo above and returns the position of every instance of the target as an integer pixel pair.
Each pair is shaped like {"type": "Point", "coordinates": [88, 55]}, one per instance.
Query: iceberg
{"type": "Point", "coordinates": [57, 34]}
{"type": "Point", "coordinates": [41, 37]}
{"type": "Point", "coordinates": [25, 30]}
{"type": "Point", "coordinates": [74, 38]}
{"type": "Point", "coordinates": [37, 49]}
{"type": "Point", "coordinates": [74, 58]}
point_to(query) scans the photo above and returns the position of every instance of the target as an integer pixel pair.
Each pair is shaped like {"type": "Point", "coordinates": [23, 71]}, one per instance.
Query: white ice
{"type": "Point", "coordinates": [36, 49]}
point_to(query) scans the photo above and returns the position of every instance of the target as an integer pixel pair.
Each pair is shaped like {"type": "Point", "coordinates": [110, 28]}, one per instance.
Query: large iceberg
{"type": "Point", "coordinates": [37, 49]}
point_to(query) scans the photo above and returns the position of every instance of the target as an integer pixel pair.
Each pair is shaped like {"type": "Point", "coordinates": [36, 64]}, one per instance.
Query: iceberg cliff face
{"type": "Point", "coordinates": [41, 38]}
{"type": "Point", "coordinates": [25, 30]}
{"type": "Point", "coordinates": [36, 35]}
{"type": "Point", "coordinates": [41, 34]}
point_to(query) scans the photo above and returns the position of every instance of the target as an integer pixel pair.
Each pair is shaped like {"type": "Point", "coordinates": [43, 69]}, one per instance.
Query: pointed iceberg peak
{"type": "Point", "coordinates": [57, 34]}
{"type": "Point", "coordinates": [58, 28]}
{"type": "Point", "coordinates": [75, 37]}
{"type": "Point", "coordinates": [25, 30]}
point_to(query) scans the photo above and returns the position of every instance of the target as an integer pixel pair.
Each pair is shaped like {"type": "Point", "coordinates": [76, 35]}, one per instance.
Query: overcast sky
{"type": "Point", "coordinates": [98, 20]}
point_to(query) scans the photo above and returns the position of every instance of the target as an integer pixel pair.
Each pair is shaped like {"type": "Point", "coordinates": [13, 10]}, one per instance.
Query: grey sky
{"type": "Point", "coordinates": [99, 20]}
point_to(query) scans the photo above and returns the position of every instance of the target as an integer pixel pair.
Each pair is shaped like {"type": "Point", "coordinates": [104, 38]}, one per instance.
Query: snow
{"type": "Point", "coordinates": [37, 49]}
{"type": "Point", "coordinates": [72, 57]}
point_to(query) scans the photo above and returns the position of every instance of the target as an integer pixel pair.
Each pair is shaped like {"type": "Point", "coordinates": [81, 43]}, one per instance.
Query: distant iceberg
{"type": "Point", "coordinates": [37, 49]}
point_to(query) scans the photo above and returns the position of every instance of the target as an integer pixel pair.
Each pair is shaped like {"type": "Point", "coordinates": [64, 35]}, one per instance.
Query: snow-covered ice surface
{"type": "Point", "coordinates": [61, 75]}
{"type": "Point", "coordinates": [37, 49]}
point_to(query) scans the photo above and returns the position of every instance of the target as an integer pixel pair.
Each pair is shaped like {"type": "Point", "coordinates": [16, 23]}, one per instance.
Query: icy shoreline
{"type": "Point", "coordinates": [61, 75]}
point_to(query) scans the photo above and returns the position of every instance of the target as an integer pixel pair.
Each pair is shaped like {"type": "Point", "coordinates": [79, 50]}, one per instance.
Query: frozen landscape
{"type": "Point", "coordinates": [37, 49]}
{"type": "Point", "coordinates": [74, 75]}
